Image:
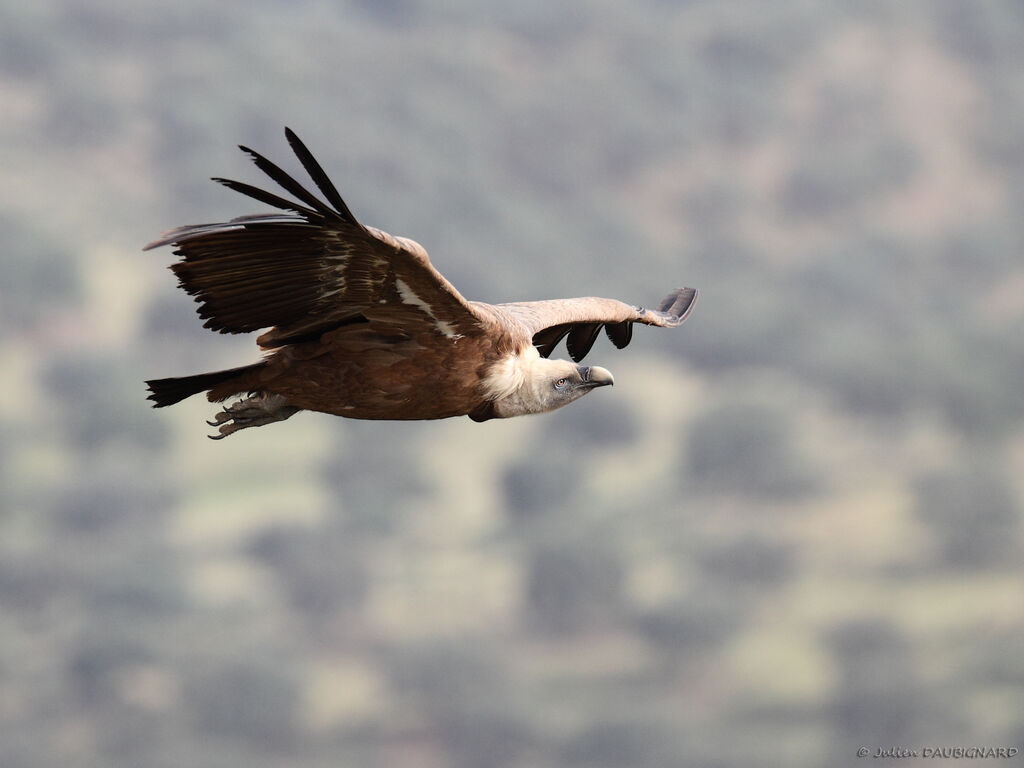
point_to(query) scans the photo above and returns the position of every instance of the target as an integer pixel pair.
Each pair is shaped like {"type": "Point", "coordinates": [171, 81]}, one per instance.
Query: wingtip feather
{"type": "Point", "coordinates": [319, 176]}
{"type": "Point", "coordinates": [679, 304]}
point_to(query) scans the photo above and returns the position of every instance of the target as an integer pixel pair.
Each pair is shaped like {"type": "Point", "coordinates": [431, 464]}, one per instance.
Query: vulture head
{"type": "Point", "coordinates": [529, 383]}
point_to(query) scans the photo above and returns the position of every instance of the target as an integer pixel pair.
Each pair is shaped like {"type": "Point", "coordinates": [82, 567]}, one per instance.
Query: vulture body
{"type": "Point", "coordinates": [361, 324]}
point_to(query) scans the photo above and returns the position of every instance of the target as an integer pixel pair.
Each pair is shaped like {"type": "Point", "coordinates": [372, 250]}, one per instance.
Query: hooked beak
{"type": "Point", "coordinates": [595, 376]}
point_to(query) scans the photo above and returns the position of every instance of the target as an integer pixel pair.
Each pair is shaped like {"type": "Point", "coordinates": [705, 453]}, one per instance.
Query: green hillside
{"type": "Point", "coordinates": [792, 529]}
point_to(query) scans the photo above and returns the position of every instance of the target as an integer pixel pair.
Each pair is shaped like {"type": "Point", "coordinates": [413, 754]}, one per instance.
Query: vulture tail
{"type": "Point", "coordinates": [164, 392]}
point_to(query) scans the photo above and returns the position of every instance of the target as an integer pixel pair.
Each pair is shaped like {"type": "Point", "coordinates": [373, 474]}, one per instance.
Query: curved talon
{"type": "Point", "coordinates": [254, 411]}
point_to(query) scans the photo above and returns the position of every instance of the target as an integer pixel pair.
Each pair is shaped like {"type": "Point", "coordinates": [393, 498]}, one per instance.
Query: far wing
{"type": "Point", "coordinates": [581, 320]}
{"type": "Point", "coordinates": [312, 269]}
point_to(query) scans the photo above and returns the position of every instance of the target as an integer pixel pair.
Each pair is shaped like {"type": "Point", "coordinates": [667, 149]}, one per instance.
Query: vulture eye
{"type": "Point", "coordinates": [560, 384]}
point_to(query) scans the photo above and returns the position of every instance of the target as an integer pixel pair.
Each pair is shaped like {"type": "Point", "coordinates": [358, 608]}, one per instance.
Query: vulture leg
{"type": "Point", "coordinates": [254, 411]}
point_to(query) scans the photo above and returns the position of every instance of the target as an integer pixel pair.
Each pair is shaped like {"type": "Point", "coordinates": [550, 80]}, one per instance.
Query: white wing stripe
{"type": "Point", "coordinates": [409, 296]}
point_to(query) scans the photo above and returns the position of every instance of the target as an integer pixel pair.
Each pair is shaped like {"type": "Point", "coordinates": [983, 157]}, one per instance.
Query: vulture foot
{"type": "Point", "coordinates": [254, 411]}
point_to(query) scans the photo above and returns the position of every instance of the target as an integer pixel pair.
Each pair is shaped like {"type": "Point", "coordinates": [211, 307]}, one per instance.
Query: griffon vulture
{"type": "Point", "coordinates": [362, 325]}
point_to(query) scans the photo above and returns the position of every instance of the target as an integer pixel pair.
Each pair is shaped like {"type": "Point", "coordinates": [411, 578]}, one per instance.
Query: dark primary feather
{"type": "Point", "coordinates": [547, 339]}
{"type": "Point", "coordinates": [619, 333]}
{"type": "Point", "coordinates": [581, 339]}
{"type": "Point", "coordinates": [319, 176]}
{"type": "Point", "coordinates": [264, 197]}
{"type": "Point", "coordinates": [287, 183]}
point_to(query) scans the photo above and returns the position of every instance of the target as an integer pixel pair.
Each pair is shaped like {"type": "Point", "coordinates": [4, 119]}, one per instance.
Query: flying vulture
{"type": "Point", "coordinates": [362, 325]}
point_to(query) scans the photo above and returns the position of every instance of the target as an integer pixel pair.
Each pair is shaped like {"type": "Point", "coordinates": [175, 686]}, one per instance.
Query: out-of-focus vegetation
{"type": "Point", "coordinates": [793, 528]}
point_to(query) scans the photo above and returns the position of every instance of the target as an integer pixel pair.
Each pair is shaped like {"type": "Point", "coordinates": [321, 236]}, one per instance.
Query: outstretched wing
{"type": "Point", "coordinates": [581, 320]}
{"type": "Point", "coordinates": [311, 269]}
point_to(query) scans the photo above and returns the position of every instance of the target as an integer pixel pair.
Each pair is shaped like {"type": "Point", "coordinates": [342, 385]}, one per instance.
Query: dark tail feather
{"type": "Point", "coordinates": [164, 392]}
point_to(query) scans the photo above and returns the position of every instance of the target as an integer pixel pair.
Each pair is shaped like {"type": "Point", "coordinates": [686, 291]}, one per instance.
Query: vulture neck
{"type": "Point", "coordinates": [516, 384]}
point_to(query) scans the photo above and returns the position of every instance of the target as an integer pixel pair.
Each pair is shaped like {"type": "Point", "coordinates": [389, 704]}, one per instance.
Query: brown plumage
{"type": "Point", "coordinates": [363, 326]}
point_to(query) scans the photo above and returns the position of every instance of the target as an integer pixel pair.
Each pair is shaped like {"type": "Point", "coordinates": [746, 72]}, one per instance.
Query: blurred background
{"type": "Point", "coordinates": [793, 528]}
